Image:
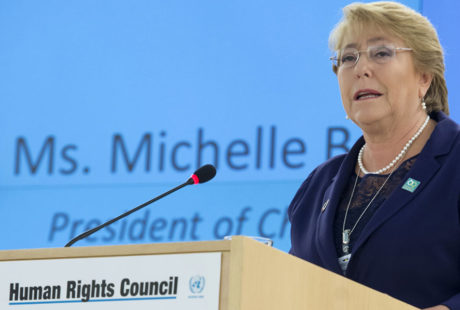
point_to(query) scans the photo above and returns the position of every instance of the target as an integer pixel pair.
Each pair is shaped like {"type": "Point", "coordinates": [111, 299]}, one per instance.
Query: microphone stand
{"type": "Point", "coordinates": [93, 230]}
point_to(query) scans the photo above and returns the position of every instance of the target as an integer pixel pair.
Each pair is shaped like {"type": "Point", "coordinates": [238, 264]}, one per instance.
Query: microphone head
{"type": "Point", "coordinates": [203, 174]}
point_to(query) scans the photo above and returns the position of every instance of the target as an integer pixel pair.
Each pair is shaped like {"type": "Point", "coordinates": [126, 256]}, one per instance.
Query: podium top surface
{"type": "Point", "coordinates": [131, 249]}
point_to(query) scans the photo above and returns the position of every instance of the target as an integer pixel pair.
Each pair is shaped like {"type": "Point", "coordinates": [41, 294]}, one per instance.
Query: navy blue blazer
{"type": "Point", "coordinates": [410, 248]}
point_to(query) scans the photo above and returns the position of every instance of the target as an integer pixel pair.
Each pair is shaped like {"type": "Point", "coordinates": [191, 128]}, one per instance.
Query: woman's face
{"type": "Point", "coordinates": [381, 87]}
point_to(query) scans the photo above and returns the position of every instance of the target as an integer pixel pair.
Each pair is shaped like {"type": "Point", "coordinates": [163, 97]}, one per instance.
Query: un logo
{"type": "Point", "coordinates": [196, 284]}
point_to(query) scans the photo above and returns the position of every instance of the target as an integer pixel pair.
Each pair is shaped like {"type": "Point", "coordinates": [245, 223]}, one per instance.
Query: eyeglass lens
{"type": "Point", "coordinates": [378, 54]}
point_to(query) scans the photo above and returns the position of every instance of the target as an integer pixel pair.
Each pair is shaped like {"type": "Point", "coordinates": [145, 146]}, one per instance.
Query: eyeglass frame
{"type": "Point", "coordinates": [335, 59]}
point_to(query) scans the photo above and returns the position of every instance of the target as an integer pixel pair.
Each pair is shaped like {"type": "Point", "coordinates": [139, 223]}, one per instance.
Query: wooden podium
{"type": "Point", "coordinates": [252, 276]}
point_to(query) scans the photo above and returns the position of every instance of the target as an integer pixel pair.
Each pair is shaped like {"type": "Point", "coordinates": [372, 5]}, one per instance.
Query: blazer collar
{"type": "Point", "coordinates": [423, 170]}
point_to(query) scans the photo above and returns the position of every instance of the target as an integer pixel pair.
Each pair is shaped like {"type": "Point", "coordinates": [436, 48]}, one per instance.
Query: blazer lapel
{"type": "Point", "coordinates": [324, 240]}
{"type": "Point", "coordinates": [422, 171]}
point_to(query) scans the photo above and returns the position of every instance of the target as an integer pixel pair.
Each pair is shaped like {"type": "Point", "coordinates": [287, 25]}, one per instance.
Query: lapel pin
{"type": "Point", "coordinates": [323, 208]}
{"type": "Point", "coordinates": [411, 185]}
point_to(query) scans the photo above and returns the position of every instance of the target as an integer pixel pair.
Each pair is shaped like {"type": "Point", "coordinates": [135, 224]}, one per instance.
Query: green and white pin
{"type": "Point", "coordinates": [411, 185]}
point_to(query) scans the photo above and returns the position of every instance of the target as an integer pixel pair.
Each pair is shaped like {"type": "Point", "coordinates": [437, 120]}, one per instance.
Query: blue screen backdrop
{"type": "Point", "coordinates": [106, 104]}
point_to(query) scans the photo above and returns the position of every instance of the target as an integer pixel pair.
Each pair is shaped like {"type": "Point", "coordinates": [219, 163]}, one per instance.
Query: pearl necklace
{"type": "Point", "coordinates": [398, 157]}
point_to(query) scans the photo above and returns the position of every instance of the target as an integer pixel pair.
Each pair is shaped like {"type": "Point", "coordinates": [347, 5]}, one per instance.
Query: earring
{"type": "Point", "coordinates": [423, 104]}
{"type": "Point", "coordinates": [346, 116]}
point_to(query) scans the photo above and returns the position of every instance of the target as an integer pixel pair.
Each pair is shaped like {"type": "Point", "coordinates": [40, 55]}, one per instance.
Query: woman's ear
{"type": "Point", "coordinates": [424, 83]}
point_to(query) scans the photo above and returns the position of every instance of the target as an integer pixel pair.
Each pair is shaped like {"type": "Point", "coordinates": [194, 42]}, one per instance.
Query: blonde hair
{"type": "Point", "coordinates": [411, 27]}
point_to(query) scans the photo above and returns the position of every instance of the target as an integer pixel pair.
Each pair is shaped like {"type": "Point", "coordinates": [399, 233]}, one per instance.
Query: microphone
{"type": "Point", "coordinates": [201, 175]}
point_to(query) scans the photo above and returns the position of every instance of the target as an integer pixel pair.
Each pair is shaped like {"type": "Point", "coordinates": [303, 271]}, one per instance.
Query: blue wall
{"type": "Point", "coordinates": [107, 104]}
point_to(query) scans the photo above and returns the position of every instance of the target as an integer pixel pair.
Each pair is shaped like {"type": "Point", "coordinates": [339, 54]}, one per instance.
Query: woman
{"type": "Point", "coordinates": [387, 213]}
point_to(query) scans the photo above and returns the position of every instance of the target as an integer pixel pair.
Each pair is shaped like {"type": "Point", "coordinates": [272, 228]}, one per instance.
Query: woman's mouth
{"type": "Point", "coordinates": [364, 94]}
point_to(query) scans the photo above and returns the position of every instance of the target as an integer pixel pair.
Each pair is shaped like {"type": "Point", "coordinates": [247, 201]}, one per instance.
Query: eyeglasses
{"type": "Point", "coordinates": [381, 54]}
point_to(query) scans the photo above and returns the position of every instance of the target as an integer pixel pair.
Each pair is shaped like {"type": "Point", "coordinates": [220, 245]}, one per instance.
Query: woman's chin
{"type": "Point", "coordinates": [367, 118]}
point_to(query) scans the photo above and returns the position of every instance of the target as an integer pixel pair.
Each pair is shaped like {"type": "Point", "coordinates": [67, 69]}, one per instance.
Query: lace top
{"type": "Point", "coordinates": [366, 188]}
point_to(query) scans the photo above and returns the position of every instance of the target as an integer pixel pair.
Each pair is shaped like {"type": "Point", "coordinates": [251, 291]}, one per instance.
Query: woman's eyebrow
{"type": "Point", "coordinates": [371, 40]}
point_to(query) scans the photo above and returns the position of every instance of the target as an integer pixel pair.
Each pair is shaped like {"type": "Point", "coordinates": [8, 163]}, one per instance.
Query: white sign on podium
{"type": "Point", "coordinates": [166, 281]}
